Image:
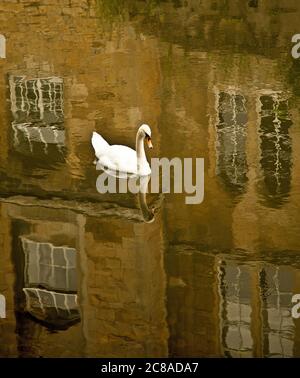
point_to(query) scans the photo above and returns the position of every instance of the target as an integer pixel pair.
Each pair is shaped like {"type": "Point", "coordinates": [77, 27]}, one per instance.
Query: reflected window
{"type": "Point", "coordinates": [37, 100]}
{"type": "Point", "coordinates": [2, 47]}
{"type": "Point", "coordinates": [276, 286]}
{"type": "Point", "coordinates": [37, 109]}
{"type": "Point", "coordinates": [276, 149]}
{"type": "Point", "coordinates": [50, 282]}
{"type": "Point", "coordinates": [236, 310]}
{"type": "Point", "coordinates": [255, 310]}
{"type": "Point", "coordinates": [231, 164]}
{"type": "Point", "coordinates": [49, 266]}
{"type": "Point", "coordinates": [50, 306]}
{"type": "Point", "coordinates": [2, 306]}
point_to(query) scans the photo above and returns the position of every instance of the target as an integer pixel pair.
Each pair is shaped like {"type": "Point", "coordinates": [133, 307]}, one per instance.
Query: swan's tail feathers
{"type": "Point", "coordinates": [98, 142]}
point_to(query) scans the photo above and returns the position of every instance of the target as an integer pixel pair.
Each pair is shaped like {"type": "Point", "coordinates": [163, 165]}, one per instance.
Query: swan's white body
{"type": "Point", "coordinates": [122, 159]}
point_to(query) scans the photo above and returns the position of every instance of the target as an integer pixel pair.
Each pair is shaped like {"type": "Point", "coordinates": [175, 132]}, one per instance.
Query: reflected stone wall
{"type": "Point", "coordinates": [193, 303]}
{"type": "Point", "coordinates": [126, 294]}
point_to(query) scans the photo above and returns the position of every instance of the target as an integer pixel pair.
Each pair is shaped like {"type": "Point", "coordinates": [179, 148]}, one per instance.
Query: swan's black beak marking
{"type": "Point", "coordinates": [149, 141]}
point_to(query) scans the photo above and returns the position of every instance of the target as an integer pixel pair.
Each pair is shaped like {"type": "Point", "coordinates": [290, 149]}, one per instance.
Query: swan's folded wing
{"type": "Point", "coordinates": [99, 143]}
{"type": "Point", "coordinates": [119, 158]}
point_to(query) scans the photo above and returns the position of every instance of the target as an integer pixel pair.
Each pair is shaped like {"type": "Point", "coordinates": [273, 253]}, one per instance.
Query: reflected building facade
{"type": "Point", "coordinates": [233, 107]}
{"type": "Point", "coordinates": [94, 297]}
{"type": "Point", "coordinates": [209, 88]}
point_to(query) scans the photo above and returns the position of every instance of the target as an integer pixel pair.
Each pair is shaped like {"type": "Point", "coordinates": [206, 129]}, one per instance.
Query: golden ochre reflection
{"type": "Point", "coordinates": [84, 274]}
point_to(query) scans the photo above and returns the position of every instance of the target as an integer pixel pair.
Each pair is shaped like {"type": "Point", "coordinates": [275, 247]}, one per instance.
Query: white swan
{"type": "Point", "coordinates": [123, 159]}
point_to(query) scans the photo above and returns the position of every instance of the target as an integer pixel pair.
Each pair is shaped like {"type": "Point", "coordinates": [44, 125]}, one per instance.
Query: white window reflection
{"type": "Point", "coordinates": [231, 134]}
{"type": "Point", "coordinates": [49, 305]}
{"type": "Point", "coordinates": [2, 47]}
{"type": "Point", "coordinates": [37, 109]}
{"type": "Point", "coordinates": [2, 307]}
{"type": "Point", "coordinates": [49, 266]}
{"type": "Point", "coordinates": [39, 100]}
{"type": "Point", "coordinates": [50, 282]}
{"type": "Point", "coordinates": [236, 310]}
{"type": "Point", "coordinates": [277, 292]}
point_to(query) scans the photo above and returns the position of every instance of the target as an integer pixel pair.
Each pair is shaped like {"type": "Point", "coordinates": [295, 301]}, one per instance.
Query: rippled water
{"type": "Point", "coordinates": [82, 273]}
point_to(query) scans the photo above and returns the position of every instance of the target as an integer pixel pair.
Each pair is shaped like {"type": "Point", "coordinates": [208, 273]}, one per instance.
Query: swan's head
{"type": "Point", "coordinates": [146, 131]}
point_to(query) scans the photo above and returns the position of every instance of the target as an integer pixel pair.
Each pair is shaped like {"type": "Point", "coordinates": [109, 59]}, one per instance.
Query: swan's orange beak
{"type": "Point", "coordinates": [149, 142]}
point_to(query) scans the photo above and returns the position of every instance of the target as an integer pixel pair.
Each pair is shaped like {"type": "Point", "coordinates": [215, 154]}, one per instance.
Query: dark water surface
{"type": "Point", "coordinates": [81, 272]}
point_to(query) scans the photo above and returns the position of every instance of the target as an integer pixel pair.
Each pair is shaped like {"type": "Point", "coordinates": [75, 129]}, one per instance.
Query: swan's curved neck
{"type": "Point", "coordinates": [140, 151]}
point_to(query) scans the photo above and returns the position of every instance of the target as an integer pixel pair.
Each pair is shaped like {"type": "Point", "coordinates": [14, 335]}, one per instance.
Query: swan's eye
{"type": "Point", "coordinates": [149, 142]}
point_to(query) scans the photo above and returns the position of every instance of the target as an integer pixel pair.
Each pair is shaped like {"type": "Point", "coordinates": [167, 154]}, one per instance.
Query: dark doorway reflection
{"type": "Point", "coordinates": [253, 3]}
{"type": "Point", "coordinates": [276, 149]}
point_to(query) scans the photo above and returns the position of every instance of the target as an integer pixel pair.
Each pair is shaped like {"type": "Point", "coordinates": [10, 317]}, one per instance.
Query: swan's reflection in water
{"type": "Point", "coordinates": [138, 185]}
{"type": "Point", "coordinates": [148, 214]}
